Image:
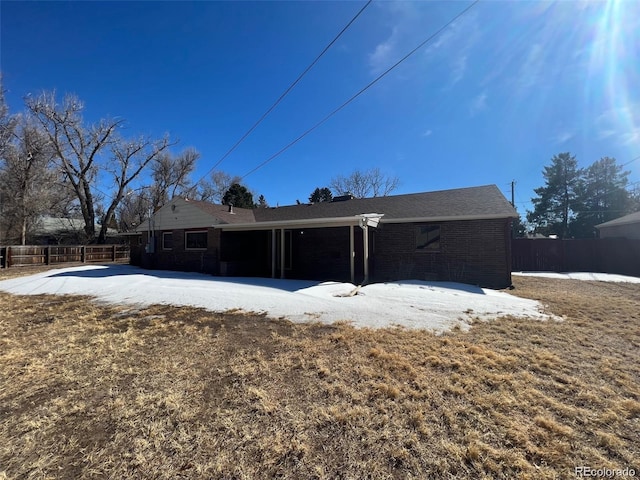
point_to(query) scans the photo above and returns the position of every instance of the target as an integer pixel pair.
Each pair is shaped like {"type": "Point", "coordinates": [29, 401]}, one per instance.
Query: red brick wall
{"type": "Point", "coordinates": [472, 251]}
{"type": "Point", "coordinates": [205, 261]}
{"type": "Point", "coordinates": [475, 251]}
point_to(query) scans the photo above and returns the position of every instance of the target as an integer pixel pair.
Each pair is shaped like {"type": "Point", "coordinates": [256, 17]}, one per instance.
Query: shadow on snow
{"type": "Point", "coordinates": [106, 271]}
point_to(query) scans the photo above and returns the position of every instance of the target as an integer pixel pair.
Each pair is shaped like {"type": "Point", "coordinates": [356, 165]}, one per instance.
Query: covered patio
{"type": "Point", "coordinates": [331, 248]}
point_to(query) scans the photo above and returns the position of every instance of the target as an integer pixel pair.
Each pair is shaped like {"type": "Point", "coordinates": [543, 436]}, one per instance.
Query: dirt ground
{"type": "Point", "coordinates": [89, 390]}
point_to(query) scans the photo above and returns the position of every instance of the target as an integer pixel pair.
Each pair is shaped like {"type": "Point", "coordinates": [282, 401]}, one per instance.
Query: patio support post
{"type": "Point", "coordinates": [273, 253]}
{"type": "Point", "coordinates": [282, 252]}
{"type": "Point", "coordinates": [365, 245]}
{"type": "Point", "coordinates": [352, 254]}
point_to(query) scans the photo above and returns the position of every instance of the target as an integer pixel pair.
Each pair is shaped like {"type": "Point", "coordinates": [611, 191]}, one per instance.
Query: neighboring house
{"type": "Point", "coordinates": [62, 231]}
{"type": "Point", "coordinates": [459, 235]}
{"type": "Point", "coordinates": [623, 227]}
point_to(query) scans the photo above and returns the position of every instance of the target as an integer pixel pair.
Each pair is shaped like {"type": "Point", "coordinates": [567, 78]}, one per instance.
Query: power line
{"type": "Point", "coordinates": [376, 80]}
{"type": "Point", "coordinates": [284, 94]}
{"type": "Point", "coordinates": [630, 161]}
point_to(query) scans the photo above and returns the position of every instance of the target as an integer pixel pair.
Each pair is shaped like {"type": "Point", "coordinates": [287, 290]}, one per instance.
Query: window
{"type": "Point", "coordinates": [167, 240]}
{"type": "Point", "coordinates": [428, 238]}
{"type": "Point", "coordinates": [195, 240]}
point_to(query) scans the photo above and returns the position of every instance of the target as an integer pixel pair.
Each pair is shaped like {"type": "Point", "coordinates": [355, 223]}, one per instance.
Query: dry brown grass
{"type": "Point", "coordinates": [94, 391]}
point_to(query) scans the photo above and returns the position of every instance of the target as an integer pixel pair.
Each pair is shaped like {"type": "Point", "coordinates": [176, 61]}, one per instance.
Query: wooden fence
{"type": "Point", "coordinates": [608, 255]}
{"type": "Point", "coordinates": [31, 255]}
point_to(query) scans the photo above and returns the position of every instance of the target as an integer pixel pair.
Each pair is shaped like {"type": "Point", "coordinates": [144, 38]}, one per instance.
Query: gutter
{"type": "Point", "coordinates": [348, 221]}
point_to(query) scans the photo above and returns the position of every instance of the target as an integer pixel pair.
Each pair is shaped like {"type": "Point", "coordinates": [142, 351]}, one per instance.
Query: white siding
{"type": "Point", "coordinates": [183, 215]}
{"type": "Point", "coordinates": [630, 230]}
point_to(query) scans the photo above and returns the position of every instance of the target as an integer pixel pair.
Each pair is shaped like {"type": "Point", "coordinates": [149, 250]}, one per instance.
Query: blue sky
{"type": "Point", "coordinates": [490, 100]}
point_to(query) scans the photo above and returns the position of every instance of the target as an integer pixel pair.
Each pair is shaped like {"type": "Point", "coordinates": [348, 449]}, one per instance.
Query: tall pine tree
{"type": "Point", "coordinates": [262, 202]}
{"type": "Point", "coordinates": [555, 201]}
{"type": "Point", "coordinates": [602, 196]}
{"type": "Point", "coordinates": [321, 195]}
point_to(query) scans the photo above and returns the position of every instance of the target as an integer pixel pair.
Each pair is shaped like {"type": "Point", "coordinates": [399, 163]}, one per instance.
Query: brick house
{"type": "Point", "coordinates": [459, 235]}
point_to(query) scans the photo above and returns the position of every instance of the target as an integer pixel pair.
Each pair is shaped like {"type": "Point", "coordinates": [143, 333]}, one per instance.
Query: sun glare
{"type": "Point", "coordinates": [614, 69]}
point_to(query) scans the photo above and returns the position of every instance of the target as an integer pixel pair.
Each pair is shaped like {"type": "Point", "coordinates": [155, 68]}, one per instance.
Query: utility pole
{"type": "Point", "coordinates": [514, 229]}
{"type": "Point", "coordinates": [513, 193]}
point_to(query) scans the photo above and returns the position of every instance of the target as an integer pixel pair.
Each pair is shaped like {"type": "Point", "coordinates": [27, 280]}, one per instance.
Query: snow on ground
{"type": "Point", "coordinates": [436, 306]}
{"type": "Point", "coordinates": [600, 277]}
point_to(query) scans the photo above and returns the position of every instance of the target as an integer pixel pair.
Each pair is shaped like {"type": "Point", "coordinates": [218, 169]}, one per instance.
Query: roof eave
{"type": "Point", "coordinates": [448, 218]}
{"type": "Point", "coordinates": [307, 222]}
{"type": "Point", "coordinates": [613, 223]}
{"type": "Point", "coordinates": [348, 221]}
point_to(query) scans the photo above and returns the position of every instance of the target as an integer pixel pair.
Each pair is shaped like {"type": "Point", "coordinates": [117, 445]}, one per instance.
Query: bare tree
{"type": "Point", "coordinates": [30, 186]}
{"type": "Point", "coordinates": [88, 152]}
{"type": "Point", "coordinates": [7, 126]}
{"type": "Point", "coordinates": [134, 208]}
{"type": "Point", "coordinates": [381, 184]}
{"type": "Point", "coordinates": [7, 122]}
{"type": "Point", "coordinates": [171, 175]}
{"type": "Point", "coordinates": [362, 184]}
{"type": "Point", "coordinates": [213, 189]}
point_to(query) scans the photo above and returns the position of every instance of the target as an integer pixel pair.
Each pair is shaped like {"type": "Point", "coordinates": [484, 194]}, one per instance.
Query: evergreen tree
{"type": "Point", "coordinates": [321, 195]}
{"type": "Point", "coordinates": [262, 202]}
{"type": "Point", "coordinates": [238, 196]}
{"type": "Point", "coordinates": [634, 199]}
{"type": "Point", "coordinates": [518, 228]}
{"type": "Point", "coordinates": [557, 199]}
{"type": "Point", "coordinates": [602, 196]}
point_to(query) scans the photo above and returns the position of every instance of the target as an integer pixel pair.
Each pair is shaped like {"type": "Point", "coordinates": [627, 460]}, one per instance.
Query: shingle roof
{"type": "Point", "coordinates": [458, 204]}
{"type": "Point", "coordinates": [221, 212]}
{"type": "Point", "coordinates": [631, 218]}
{"type": "Point", "coordinates": [473, 202]}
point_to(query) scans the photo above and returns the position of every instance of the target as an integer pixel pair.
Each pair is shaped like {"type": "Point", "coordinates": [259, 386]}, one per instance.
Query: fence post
{"type": "Point", "coordinates": [83, 255]}
{"type": "Point", "coordinates": [114, 253]}
{"type": "Point", "coordinates": [47, 256]}
{"type": "Point", "coordinates": [7, 262]}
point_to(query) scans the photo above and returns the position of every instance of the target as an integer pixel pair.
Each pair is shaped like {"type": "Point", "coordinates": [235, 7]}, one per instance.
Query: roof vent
{"type": "Point", "coordinates": [231, 209]}
{"type": "Point", "coordinates": [342, 198]}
